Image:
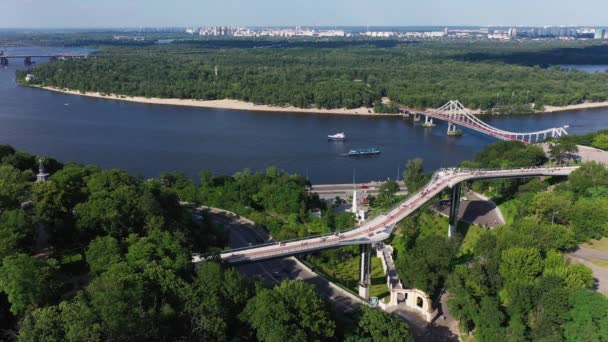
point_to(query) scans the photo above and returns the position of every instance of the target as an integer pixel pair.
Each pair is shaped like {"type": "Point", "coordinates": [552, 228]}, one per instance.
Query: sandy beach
{"type": "Point", "coordinates": [242, 105]}
{"type": "Point", "coordinates": [220, 104]}
{"type": "Point", "coordinates": [580, 106]}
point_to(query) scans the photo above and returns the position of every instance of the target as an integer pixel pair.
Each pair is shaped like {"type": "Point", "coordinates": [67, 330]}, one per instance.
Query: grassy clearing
{"type": "Point", "coordinates": [509, 210]}
{"type": "Point", "coordinates": [472, 233]}
{"type": "Point", "coordinates": [600, 245]}
{"type": "Point", "coordinates": [346, 273]}
{"type": "Point", "coordinates": [71, 258]}
{"type": "Point", "coordinates": [600, 263]}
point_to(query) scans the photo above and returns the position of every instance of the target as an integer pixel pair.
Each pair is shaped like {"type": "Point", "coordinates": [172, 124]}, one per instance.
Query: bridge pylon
{"type": "Point", "coordinates": [365, 270]}
{"type": "Point", "coordinates": [454, 206]}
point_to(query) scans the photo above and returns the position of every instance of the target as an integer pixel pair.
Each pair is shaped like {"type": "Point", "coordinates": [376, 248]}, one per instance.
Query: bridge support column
{"type": "Point", "coordinates": [451, 129]}
{"type": "Point", "coordinates": [416, 117]}
{"type": "Point", "coordinates": [3, 61]}
{"type": "Point", "coordinates": [365, 270]}
{"type": "Point", "coordinates": [27, 60]}
{"type": "Point", "coordinates": [455, 204]}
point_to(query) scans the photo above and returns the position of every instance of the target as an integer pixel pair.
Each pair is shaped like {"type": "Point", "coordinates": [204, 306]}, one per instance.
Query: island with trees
{"type": "Point", "coordinates": [377, 75]}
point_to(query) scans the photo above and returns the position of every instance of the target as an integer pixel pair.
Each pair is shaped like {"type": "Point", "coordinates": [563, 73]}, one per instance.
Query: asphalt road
{"type": "Point", "coordinates": [330, 191]}
{"type": "Point", "coordinates": [600, 274]}
{"type": "Point", "coordinates": [274, 271]}
{"type": "Point", "coordinates": [475, 210]}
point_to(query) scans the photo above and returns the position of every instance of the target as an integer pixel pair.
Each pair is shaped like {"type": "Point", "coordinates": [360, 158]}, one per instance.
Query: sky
{"type": "Point", "coordinates": [156, 13]}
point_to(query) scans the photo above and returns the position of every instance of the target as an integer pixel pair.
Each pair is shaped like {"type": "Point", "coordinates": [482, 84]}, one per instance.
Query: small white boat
{"type": "Point", "coordinates": [337, 137]}
{"type": "Point", "coordinates": [66, 104]}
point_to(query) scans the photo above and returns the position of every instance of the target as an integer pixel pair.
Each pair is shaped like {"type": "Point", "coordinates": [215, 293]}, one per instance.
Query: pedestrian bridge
{"type": "Point", "coordinates": [381, 227]}
{"type": "Point", "coordinates": [455, 114]}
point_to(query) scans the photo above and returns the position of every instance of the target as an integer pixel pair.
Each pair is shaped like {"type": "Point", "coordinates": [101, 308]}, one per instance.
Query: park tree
{"type": "Point", "coordinates": [590, 218]}
{"type": "Point", "coordinates": [42, 324]}
{"type": "Point", "coordinates": [589, 175]}
{"type": "Point", "coordinates": [26, 280]}
{"type": "Point", "coordinates": [118, 297]}
{"type": "Point", "coordinates": [520, 264]}
{"type": "Point", "coordinates": [587, 319]}
{"type": "Point", "coordinates": [489, 320]}
{"type": "Point", "coordinates": [22, 161]}
{"type": "Point", "coordinates": [108, 180]}
{"type": "Point", "coordinates": [386, 194]}
{"type": "Point", "coordinates": [14, 186]}
{"type": "Point", "coordinates": [102, 253]}
{"type": "Point", "coordinates": [50, 203]}
{"type": "Point", "coordinates": [6, 150]}
{"type": "Point", "coordinates": [378, 326]}
{"type": "Point", "coordinates": [162, 248]}
{"type": "Point", "coordinates": [423, 267]}
{"type": "Point", "coordinates": [16, 230]}
{"type": "Point", "coordinates": [548, 317]}
{"type": "Point", "coordinates": [562, 149]}
{"type": "Point", "coordinates": [72, 180]}
{"type": "Point", "coordinates": [600, 141]}
{"type": "Point", "coordinates": [553, 206]}
{"type": "Point", "coordinates": [79, 321]}
{"type": "Point", "coordinates": [291, 311]}
{"type": "Point", "coordinates": [344, 220]}
{"type": "Point", "coordinates": [217, 297]}
{"type": "Point", "coordinates": [414, 175]}
{"type": "Point", "coordinates": [116, 213]}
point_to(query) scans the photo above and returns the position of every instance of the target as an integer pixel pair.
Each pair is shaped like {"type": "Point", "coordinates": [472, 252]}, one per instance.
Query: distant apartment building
{"type": "Point", "coordinates": [599, 34]}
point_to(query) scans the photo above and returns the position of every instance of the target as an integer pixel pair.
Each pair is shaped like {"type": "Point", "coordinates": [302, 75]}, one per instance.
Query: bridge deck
{"type": "Point", "coordinates": [381, 228]}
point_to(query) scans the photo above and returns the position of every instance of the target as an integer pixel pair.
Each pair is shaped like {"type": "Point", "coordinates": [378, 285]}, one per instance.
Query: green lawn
{"type": "Point", "coordinates": [509, 210]}
{"type": "Point", "coordinates": [600, 263]}
{"type": "Point", "coordinates": [600, 245]}
{"type": "Point", "coordinates": [346, 273]}
{"type": "Point", "coordinates": [471, 233]}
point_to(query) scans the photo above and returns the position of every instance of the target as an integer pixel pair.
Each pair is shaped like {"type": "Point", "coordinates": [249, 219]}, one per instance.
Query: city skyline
{"type": "Point", "coordinates": [152, 13]}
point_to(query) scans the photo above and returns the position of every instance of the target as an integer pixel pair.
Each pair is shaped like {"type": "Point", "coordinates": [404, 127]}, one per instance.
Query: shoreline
{"type": "Point", "coordinates": [231, 104]}
{"type": "Point", "coordinates": [580, 106]}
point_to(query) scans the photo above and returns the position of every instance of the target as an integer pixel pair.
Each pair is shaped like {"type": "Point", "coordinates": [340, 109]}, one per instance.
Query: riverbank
{"type": "Point", "coordinates": [580, 106]}
{"type": "Point", "coordinates": [219, 104]}
{"type": "Point", "coordinates": [250, 106]}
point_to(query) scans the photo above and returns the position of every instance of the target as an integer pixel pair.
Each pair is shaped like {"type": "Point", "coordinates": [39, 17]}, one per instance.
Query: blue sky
{"type": "Point", "coordinates": [134, 13]}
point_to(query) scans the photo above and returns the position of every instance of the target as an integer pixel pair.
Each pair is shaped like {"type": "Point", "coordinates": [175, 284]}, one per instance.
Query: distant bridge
{"type": "Point", "coordinates": [454, 113]}
{"type": "Point", "coordinates": [27, 59]}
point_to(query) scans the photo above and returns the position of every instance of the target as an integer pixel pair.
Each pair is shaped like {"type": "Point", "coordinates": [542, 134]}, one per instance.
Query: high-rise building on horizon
{"type": "Point", "coordinates": [599, 34]}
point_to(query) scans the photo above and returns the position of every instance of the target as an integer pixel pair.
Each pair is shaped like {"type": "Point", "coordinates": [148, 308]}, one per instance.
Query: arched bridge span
{"type": "Point", "coordinates": [455, 114]}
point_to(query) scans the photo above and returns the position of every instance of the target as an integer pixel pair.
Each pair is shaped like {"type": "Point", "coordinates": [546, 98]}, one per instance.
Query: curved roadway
{"type": "Point", "coordinates": [380, 228]}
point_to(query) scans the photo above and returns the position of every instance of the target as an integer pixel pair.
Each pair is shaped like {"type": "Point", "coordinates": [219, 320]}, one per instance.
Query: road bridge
{"type": "Point", "coordinates": [455, 114]}
{"type": "Point", "coordinates": [27, 59]}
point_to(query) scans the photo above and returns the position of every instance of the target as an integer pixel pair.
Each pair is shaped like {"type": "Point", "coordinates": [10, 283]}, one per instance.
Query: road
{"type": "Point", "coordinates": [330, 191]}
{"type": "Point", "coordinates": [244, 232]}
{"type": "Point", "coordinates": [600, 274]}
{"type": "Point", "coordinates": [381, 228]}
{"type": "Point", "coordinates": [271, 272]}
{"type": "Point", "coordinates": [474, 209]}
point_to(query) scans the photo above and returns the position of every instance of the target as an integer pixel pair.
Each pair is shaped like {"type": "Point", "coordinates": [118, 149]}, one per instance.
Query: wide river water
{"type": "Point", "coordinates": [148, 139]}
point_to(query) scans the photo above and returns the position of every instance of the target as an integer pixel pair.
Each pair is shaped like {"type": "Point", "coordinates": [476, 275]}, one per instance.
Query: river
{"type": "Point", "coordinates": [148, 139]}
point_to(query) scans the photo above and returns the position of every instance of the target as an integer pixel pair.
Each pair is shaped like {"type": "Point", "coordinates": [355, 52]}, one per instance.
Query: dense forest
{"type": "Point", "coordinates": [514, 283]}
{"type": "Point", "coordinates": [92, 255]}
{"type": "Point", "coordinates": [506, 76]}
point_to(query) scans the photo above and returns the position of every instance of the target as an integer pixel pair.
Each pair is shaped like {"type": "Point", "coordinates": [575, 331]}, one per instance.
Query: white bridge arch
{"type": "Point", "coordinates": [454, 113]}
